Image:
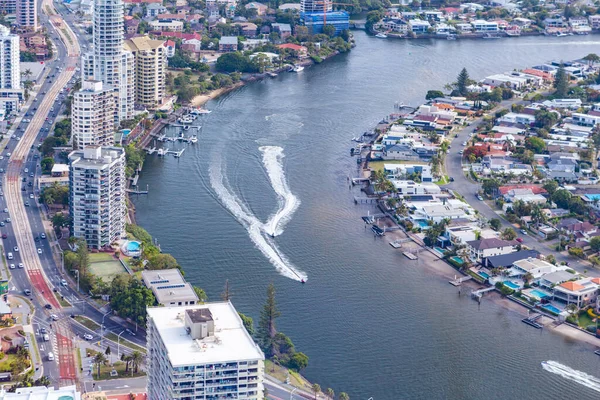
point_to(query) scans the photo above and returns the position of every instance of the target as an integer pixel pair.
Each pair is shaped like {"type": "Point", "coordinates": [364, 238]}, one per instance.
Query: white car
{"type": "Point", "coordinates": [464, 143]}
{"type": "Point", "coordinates": [54, 317]}
{"type": "Point", "coordinates": [21, 265]}
{"type": "Point", "coordinates": [31, 195]}
{"type": "Point", "coordinates": [39, 251]}
{"type": "Point", "coordinates": [16, 249]}
{"type": "Point", "coordinates": [12, 266]}
{"type": "Point", "coordinates": [26, 170]}
{"type": "Point", "coordinates": [87, 336]}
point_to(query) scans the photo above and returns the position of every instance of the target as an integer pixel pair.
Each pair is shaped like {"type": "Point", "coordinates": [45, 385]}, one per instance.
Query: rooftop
{"type": "Point", "coordinates": [491, 243]}
{"type": "Point", "coordinates": [506, 260]}
{"type": "Point", "coordinates": [142, 43]}
{"type": "Point", "coordinates": [169, 286]}
{"type": "Point", "coordinates": [230, 342]}
{"type": "Point", "coordinates": [42, 393]}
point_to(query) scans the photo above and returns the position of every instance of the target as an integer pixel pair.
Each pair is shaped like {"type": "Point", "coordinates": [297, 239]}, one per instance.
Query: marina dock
{"type": "Point", "coordinates": [478, 294]}
{"type": "Point", "coordinates": [532, 321]}
{"type": "Point", "coordinates": [410, 255]}
{"type": "Point", "coordinates": [457, 281]}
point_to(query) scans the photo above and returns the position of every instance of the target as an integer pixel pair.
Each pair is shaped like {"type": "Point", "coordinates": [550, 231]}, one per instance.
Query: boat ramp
{"type": "Point", "coordinates": [457, 281]}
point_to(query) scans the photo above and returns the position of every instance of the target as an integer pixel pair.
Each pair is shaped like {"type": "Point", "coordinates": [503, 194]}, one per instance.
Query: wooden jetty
{"type": "Point", "coordinates": [409, 255]}
{"type": "Point", "coordinates": [457, 281]}
{"type": "Point", "coordinates": [365, 200]}
{"type": "Point", "coordinates": [478, 294]}
{"type": "Point", "coordinates": [532, 321]}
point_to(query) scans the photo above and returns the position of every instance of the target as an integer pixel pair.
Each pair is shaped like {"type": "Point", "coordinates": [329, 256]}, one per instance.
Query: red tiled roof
{"type": "Point", "coordinates": [546, 75]}
{"type": "Point", "coordinates": [534, 189]}
{"type": "Point", "coordinates": [572, 286]}
{"type": "Point", "coordinates": [170, 43]}
{"type": "Point", "coordinates": [179, 35]}
{"type": "Point", "coordinates": [292, 46]}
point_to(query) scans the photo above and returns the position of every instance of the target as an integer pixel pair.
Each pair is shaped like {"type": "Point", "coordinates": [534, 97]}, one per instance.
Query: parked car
{"type": "Point", "coordinates": [520, 240]}
{"type": "Point", "coordinates": [87, 336]}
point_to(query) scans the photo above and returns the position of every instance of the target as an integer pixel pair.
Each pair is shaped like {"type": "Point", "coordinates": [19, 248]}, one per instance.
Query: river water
{"type": "Point", "coordinates": [372, 323]}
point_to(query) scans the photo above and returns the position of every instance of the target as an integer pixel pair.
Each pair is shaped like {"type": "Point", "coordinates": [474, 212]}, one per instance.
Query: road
{"type": "Point", "coordinates": [467, 188]}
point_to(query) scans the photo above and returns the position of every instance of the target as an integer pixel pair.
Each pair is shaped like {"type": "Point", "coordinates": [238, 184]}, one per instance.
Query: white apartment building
{"type": "Point", "coordinates": [202, 352]}
{"type": "Point", "coordinates": [110, 62]}
{"type": "Point", "coordinates": [166, 25]}
{"type": "Point", "coordinates": [10, 68]}
{"type": "Point", "coordinates": [150, 58]}
{"type": "Point", "coordinates": [316, 6]}
{"type": "Point", "coordinates": [93, 115]}
{"type": "Point", "coordinates": [97, 194]}
{"type": "Point", "coordinates": [27, 14]}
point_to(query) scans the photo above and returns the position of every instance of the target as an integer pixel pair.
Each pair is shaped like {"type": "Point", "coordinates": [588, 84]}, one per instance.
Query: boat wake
{"type": "Point", "coordinates": [288, 202]}
{"type": "Point", "coordinates": [572, 374]}
{"type": "Point", "coordinates": [257, 230]}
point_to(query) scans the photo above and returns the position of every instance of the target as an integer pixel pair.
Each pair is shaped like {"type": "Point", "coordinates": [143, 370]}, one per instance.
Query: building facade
{"type": "Point", "coordinates": [93, 115]}
{"type": "Point", "coordinates": [97, 194]}
{"type": "Point", "coordinates": [8, 6]}
{"type": "Point", "coordinates": [26, 14]}
{"type": "Point", "coordinates": [110, 62]}
{"type": "Point", "coordinates": [11, 93]}
{"type": "Point", "coordinates": [202, 352]}
{"type": "Point", "coordinates": [315, 21]}
{"type": "Point", "coordinates": [150, 59]}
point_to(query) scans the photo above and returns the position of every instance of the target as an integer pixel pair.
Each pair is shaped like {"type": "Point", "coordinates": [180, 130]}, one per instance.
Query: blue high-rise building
{"type": "Point", "coordinates": [315, 21]}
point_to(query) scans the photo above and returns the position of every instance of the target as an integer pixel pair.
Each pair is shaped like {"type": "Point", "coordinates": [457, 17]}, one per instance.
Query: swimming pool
{"type": "Point", "coordinates": [483, 274]}
{"type": "Point", "coordinates": [439, 250]}
{"type": "Point", "coordinates": [133, 246]}
{"type": "Point", "coordinates": [551, 308]}
{"type": "Point", "coordinates": [511, 285]}
{"type": "Point", "coordinates": [422, 223]}
{"type": "Point", "coordinates": [457, 259]}
{"type": "Point", "coordinates": [539, 294]}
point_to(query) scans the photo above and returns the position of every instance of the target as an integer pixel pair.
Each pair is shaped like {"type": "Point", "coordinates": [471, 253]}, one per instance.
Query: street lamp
{"type": "Point", "coordinates": [77, 271]}
{"type": "Point", "coordinates": [292, 393]}
{"type": "Point", "coordinates": [119, 344]}
{"type": "Point", "coordinates": [102, 327]}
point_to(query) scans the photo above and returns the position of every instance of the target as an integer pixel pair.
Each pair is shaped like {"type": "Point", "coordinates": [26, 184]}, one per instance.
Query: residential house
{"type": "Point", "coordinates": [403, 170]}
{"type": "Point", "coordinates": [166, 25]}
{"type": "Point", "coordinates": [392, 25]}
{"type": "Point", "coordinates": [483, 248]}
{"type": "Point", "coordinates": [517, 118]}
{"type": "Point", "coordinates": [284, 30]}
{"type": "Point", "coordinates": [460, 234]}
{"type": "Point", "coordinates": [408, 187]}
{"type": "Point", "coordinates": [228, 44]}
{"type": "Point", "coordinates": [193, 45]}
{"type": "Point", "coordinates": [436, 16]}
{"type": "Point", "coordinates": [594, 21]}
{"type": "Point", "coordinates": [260, 8]}
{"type": "Point", "coordinates": [534, 266]}
{"type": "Point", "coordinates": [131, 26]}
{"type": "Point", "coordinates": [580, 292]}
{"type": "Point", "coordinates": [251, 44]}
{"type": "Point", "coordinates": [506, 260]}
{"type": "Point", "coordinates": [438, 212]}
{"type": "Point", "coordinates": [556, 22]}
{"type": "Point", "coordinates": [154, 9]}
{"type": "Point", "coordinates": [248, 29]}
{"type": "Point", "coordinates": [301, 51]}
{"type": "Point", "coordinates": [549, 281]}
{"type": "Point", "coordinates": [571, 104]}
{"type": "Point", "coordinates": [464, 27]}
{"type": "Point", "coordinates": [580, 231]}
{"type": "Point", "coordinates": [580, 25]}
{"type": "Point", "coordinates": [170, 48]}
{"type": "Point", "coordinates": [512, 81]}
{"type": "Point", "coordinates": [481, 25]}
{"type": "Point", "coordinates": [585, 119]}
{"type": "Point", "coordinates": [418, 26]}
{"type": "Point", "coordinates": [524, 195]}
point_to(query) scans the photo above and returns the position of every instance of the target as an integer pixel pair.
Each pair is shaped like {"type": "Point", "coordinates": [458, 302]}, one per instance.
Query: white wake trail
{"type": "Point", "coordinates": [288, 202]}
{"type": "Point", "coordinates": [572, 374]}
{"type": "Point", "coordinates": [253, 226]}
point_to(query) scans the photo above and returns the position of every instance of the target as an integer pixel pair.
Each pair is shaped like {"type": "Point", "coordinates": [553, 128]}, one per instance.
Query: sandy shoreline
{"type": "Point", "coordinates": [201, 99]}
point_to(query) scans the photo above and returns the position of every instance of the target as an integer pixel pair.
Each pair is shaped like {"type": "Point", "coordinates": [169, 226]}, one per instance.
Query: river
{"type": "Point", "coordinates": [372, 323]}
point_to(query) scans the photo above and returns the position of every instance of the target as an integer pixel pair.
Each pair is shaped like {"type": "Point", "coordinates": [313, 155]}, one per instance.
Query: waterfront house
{"type": "Point", "coordinates": [522, 22]}
{"type": "Point", "coordinates": [228, 44]}
{"type": "Point", "coordinates": [418, 26]}
{"type": "Point", "coordinates": [408, 187]}
{"type": "Point", "coordinates": [549, 281]}
{"type": "Point", "coordinates": [405, 169]}
{"type": "Point", "coordinates": [483, 248]}
{"type": "Point", "coordinates": [580, 292]}
{"type": "Point", "coordinates": [437, 212]}
{"type": "Point", "coordinates": [461, 233]}
{"type": "Point", "coordinates": [409, 15]}
{"type": "Point", "coordinates": [594, 21]}
{"type": "Point", "coordinates": [436, 16]}
{"type": "Point", "coordinates": [556, 22]}
{"type": "Point", "coordinates": [483, 26]}
{"type": "Point", "coordinates": [514, 82]}
{"type": "Point", "coordinates": [290, 6]}
{"type": "Point", "coordinates": [580, 25]}
{"type": "Point", "coordinates": [506, 260]}
{"type": "Point", "coordinates": [251, 44]}
{"type": "Point", "coordinates": [464, 27]}
{"type": "Point", "coordinates": [301, 51]}
{"type": "Point", "coordinates": [534, 266]}
{"type": "Point", "coordinates": [392, 25]}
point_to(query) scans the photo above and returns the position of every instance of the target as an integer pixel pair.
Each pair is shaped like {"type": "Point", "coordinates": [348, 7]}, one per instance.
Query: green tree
{"type": "Point", "coordinates": [495, 223]}
{"type": "Point", "coordinates": [535, 144]}
{"type": "Point", "coordinates": [231, 62]}
{"type": "Point", "coordinates": [561, 197]}
{"type": "Point", "coordinates": [298, 361]}
{"type": "Point", "coordinates": [592, 58]}
{"type": "Point", "coordinates": [344, 396]}
{"type": "Point", "coordinates": [266, 324]}
{"type": "Point", "coordinates": [550, 187]}
{"type": "Point", "coordinates": [527, 278]}
{"type": "Point", "coordinates": [490, 186]}
{"type": "Point", "coordinates": [509, 234]}
{"type": "Point", "coordinates": [329, 30]}
{"type": "Point", "coordinates": [316, 388]}
{"type": "Point", "coordinates": [162, 261]}
{"type": "Point", "coordinates": [60, 221]}
{"type": "Point", "coordinates": [136, 360]}
{"type": "Point", "coordinates": [201, 294]}
{"type": "Point", "coordinates": [248, 323]}
{"type": "Point", "coordinates": [561, 82]}
{"type": "Point", "coordinates": [47, 164]}
{"type": "Point", "coordinates": [551, 259]}
{"type": "Point", "coordinates": [462, 81]}
{"type": "Point", "coordinates": [595, 243]}
{"type": "Point", "coordinates": [330, 393]}
{"type": "Point", "coordinates": [99, 360]}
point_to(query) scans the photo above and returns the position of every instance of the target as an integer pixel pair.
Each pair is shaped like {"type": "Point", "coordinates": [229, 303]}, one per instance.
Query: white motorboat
{"type": "Point", "coordinates": [298, 68]}
{"type": "Point", "coordinates": [194, 139]}
{"type": "Point", "coordinates": [381, 35]}
{"type": "Point", "coordinates": [187, 119]}
{"type": "Point", "coordinates": [161, 152]}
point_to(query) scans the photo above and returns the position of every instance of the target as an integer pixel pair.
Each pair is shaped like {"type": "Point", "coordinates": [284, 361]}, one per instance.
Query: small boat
{"type": "Point", "coordinates": [185, 128]}
{"type": "Point", "coordinates": [272, 74]}
{"type": "Point", "coordinates": [187, 119]}
{"type": "Point", "coordinates": [381, 35]}
{"type": "Point", "coordinates": [161, 152]}
{"type": "Point", "coordinates": [450, 37]}
{"type": "Point", "coordinates": [561, 34]}
{"type": "Point", "coordinates": [298, 68]}
{"type": "Point", "coordinates": [302, 281]}
{"type": "Point", "coordinates": [490, 36]}
{"type": "Point", "coordinates": [194, 139]}
{"type": "Point", "coordinates": [352, 151]}
{"type": "Point", "coordinates": [199, 111]}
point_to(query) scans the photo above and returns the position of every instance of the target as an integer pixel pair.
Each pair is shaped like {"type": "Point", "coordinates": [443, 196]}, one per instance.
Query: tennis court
{"type": "Point", "coordinates": [105, 266]}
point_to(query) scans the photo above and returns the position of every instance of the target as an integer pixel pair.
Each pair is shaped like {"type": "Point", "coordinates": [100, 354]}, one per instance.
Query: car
{"type": "Point", "coordinates": [54, 317]}
{"type": "Point", "coordinates": [31, 175]}
{"type": "Point", "coordinates": [461, 152]}
{"type": "Point", "coordinates": [520, 240]}
{"type": "Point", "coordinates": [26, 204]}
{"type": "Point", "coordinates": [451, 179]}
{"type": "Point", "coordinates": [12, 266]}
{"type": "Point", "coordinates": [27, 292]}
{"type": "Point", "coordinates": [29, 183]}
{"type": "Point", "coordinates": [464, 143]}
{"type": "Point", "coordinates": [16, 248]}
{"type": "Point", "coordinates": [31, 196]}
{"type": "Point", "coordinates": [523, 231]}
{"type": "Point", "coordinates": [43, 331]}
{"type": "Point", "coordinates": [87, 336]}
{"type": "Point", "coordinates": [7, 220]}
{"type": "Point", "coordinates": [8, 154]}
{"type": "Point", "coordinates": [63, 282]}
{"type": "Point", "coordinates": [479, 197]}
{"type": "Point", "coordinates": [4, 236]}
{"type": "Point", "coordinates": [21, 265]}
{"type": "Point", "coordinates": [43, 235]}
{"type": "Point", "coordinates": [23, 189]}
{"type": "Point", "coordinates": [39, 251]}
{"type": "Point", "coordinates": [37, 239]}
{"type": "Point", "coordinates": [48, 306]}
{"type": "Point", "coordinates": [2, 223]}
{"type": "Point", "coordinates": [6, 210]}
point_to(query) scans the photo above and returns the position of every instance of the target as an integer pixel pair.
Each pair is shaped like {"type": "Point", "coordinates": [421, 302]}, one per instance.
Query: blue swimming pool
{"type": "Point", "coordinates": [551, 308]}
{"type": "Point", "coordinates": [422, 223]}
{"type": "Point", "coordinates": [483, 274]}
{"type": "Point", "coordinates": [539, 294]}
{"type": "Point", "coordinates": [133, 246]}
{"type": "Point", "coordinates": [439, 250]}
{"type": "Point", "coordinates": [511, 285]}
{"type": "Point", "coordinates": [457, 259]}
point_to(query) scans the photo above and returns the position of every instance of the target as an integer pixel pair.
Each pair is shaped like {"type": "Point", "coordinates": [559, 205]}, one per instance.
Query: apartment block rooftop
{"type": "Point", "coordinates": [203, 334]}
{"type": "Point", "coordinates": [93, 156]}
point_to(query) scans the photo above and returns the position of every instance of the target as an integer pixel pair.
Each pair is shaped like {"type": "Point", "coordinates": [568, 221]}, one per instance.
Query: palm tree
{"type": "Point", "coordinates": [136, 360]}
{"type": "Point", "coordinates": [330, 393]}
{"type": "Point", "coordinates": [99, 360]}
{"type": "Point", "coordinates": [316, 388]}
{"type": "Point", "coordinates": [343, 396]}
{"type": "Point", "coordinates": [528, 277]}
{"type": "Point", "coordinates": [126, 359]}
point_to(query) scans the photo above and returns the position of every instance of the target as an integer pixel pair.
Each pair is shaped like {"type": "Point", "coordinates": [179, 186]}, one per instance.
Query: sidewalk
{"type": "Point", "coordinates": [23, 311]}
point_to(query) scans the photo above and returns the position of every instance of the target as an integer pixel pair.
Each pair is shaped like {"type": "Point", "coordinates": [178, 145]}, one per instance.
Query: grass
{"type": "Point", "coordinates": [88, 323]}
{"type": "Point", "coordinates": [66, 33]}
{"type": "Point", "coordinates": [445, 179]}
{"type": "Point", "coordinates": [119, 366]}
{"type": "Point", "coordinates": [33, 345]}
{"type": "Point", "coordinates": [5, 364]}
{"type": "Point", "coordinates": [79, 359]}
{"type": "Point", "coordinates": [61, 301]}
{"type": "Point", "coordinates": [105, 266]}
{"type": "Point", "coordinates": [585, 320]}
{"type": "Point", "coordinates": [281, 373]}
{"type": "Point", "coordinates": [124, 342]}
